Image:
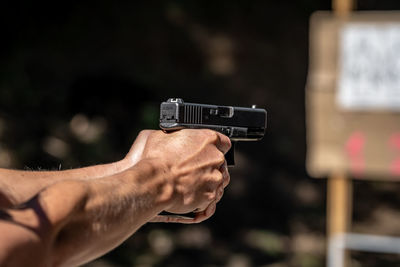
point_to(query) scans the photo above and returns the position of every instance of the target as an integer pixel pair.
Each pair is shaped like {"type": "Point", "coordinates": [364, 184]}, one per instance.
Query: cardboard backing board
{"type": "Point", "coordinates": [360, 138]}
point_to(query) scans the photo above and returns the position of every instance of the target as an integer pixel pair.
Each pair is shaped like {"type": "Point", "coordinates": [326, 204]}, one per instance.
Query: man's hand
{"type": "Point", "coordinates": [195, 168]}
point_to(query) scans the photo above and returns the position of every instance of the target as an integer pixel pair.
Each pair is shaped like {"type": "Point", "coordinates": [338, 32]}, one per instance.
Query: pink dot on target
{"type": "Point", "coordinates": [355, 144]}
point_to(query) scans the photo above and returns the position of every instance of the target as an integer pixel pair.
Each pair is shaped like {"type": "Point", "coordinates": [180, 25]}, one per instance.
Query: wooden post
{"type": "Point", "coordinates": [339, 203]}
{"type": "Point", "coordinates": [339, 210]}
{"type": "Point", "coordinates": [343, 7]}
{"type": "Point", "coordinates": [340, 200]}
{"type": "Point", "coordinates": [339, 187]}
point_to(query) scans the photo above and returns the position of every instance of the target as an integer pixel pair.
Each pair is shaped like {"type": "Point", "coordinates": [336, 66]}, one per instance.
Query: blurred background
{"type": "Point", "coordinates": [79, 80]}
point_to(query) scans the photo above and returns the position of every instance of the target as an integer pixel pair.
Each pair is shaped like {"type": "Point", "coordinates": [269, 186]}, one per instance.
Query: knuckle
{"type": "Point", "coordinates": [211, 196]}
{"type": "Point", "coordinates": [212, 136]}
{"type": "Point", "coordinates": [188, 201]}
{"type": "Point", "coordinates": [220, 158]}
{"type": "Point", "coordinates": [218, 177]}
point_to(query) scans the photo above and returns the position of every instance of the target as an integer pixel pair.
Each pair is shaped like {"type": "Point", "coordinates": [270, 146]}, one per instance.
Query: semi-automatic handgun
{"type": "Point", "coordinates": [238, 123]}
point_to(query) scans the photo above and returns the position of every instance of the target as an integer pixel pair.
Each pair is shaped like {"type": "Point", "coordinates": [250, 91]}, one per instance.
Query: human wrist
{"type": "Point", "coordinates": [152, 177]}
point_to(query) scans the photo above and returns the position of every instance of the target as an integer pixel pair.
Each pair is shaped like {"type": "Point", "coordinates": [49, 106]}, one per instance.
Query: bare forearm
{"type": "Point", "coordinates": [81, 220]}
{"type": "Point", "coordinates": [17, 187]}
{"type": "Point", "coordinates": [111, 216]}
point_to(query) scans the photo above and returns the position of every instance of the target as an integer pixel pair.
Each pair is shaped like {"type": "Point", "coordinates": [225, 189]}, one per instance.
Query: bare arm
{"type": "Point", "coordinates": [17, 186]}
{"type": "Point", "coordinates": [74, 221]}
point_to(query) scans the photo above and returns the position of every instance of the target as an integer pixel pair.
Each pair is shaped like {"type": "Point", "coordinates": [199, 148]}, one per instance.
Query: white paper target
{"type": "Point", "coordinates": [369, 67]}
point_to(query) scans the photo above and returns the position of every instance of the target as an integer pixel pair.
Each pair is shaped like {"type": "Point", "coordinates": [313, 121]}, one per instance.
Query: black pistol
{"type": "Point", "coordinates": [238, 123]}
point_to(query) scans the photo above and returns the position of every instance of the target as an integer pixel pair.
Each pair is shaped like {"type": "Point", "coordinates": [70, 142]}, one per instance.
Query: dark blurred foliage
{"type": "Point", "coordinates": [80, 79]}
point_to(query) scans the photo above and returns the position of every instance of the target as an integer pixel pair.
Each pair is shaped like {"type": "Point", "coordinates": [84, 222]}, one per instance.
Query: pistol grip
{"type": "Point", "coordinates": [230, 156]}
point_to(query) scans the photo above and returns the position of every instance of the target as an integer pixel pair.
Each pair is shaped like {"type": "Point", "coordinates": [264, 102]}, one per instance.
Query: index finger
{"type": "Point", "coordinates": [224, 143]}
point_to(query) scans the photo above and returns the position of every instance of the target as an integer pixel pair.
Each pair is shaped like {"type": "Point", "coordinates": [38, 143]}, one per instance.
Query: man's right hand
{"type": "Point", "coordinates": [194, 166]}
